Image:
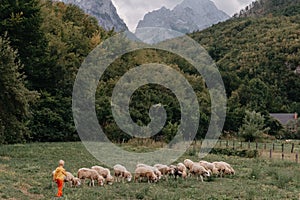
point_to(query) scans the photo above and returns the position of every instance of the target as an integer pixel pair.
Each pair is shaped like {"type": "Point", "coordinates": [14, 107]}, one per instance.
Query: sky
{"type": "Point", "coordinates": [131, 11]}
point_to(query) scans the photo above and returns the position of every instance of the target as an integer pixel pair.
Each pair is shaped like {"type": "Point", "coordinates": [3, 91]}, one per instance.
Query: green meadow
{"type": "Point", "coordinates": [25, 173]}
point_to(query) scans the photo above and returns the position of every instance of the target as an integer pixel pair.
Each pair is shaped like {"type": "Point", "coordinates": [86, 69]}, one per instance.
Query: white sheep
{"type": "Point", "coordinates": [144, 172]}
{"type": "Point", "coordinates": [188, 163]}
{"type": "Point", "coordinates": [209, 166]}
{"type": "Point", "coordinates": [181, 170]}
{"type": "Point", "coordinates": [199, 171]}
{"type": "Point", "coordinates": [121, 172]}
{"type": "Point", "coordinates": [105, 173]}
{"type": "Point", "coordinates": [86, 173]}
{"type": "Point", "coordinates": [154, 169]}
{"type": "Point", "coordinates": [165, 170]}
{"type": "Point", "coordinates": [224, 168]}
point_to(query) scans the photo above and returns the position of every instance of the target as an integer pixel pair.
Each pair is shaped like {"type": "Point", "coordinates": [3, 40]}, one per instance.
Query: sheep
{"type": "Point", "coordinates": [91, 174]}
{"type": "Point", "coordinates": [188, 163]}
{"type": "Point", "coordinates": [181, 167]}
{"type": "Point", "coordinates": [154, 169]}
{"type": "Point", "coordinates": [199, 171]}
{"type": "Point", "coordinates": [69, 178]}
{"type": "Point", "coordinates": [224, 168]}
{"type": "Point", "coordinates": [121, 172]}
{"type": "Point", "coordinates": [164, 169]}
{"type": "Point", "coordinates": [209, 166]}
{"type": "Point", "coordinates": [72, 180]}
{"type": "Point", "coordinates": [105, 173]}
{"type": "Point", "coordinates": [141, 172]}
{"type": "Point", "coordinates": [181, 170]}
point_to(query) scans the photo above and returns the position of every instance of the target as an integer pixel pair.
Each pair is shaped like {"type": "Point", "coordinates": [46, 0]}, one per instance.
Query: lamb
{"type": "Point", "coordinates": [86, 173]}
{"type": "Point", "coordinates": [154, 169]}
{"type": "Point", "coordinates": [69, 178]}
{"type": "Point", "coordinates": [105, 173]}
{"type": "Point", "coordinates": [141, 172]}
{"type": "Point", "coordinates": [199, 171]}
{"type": "Point", "coordinates": [121, 172]}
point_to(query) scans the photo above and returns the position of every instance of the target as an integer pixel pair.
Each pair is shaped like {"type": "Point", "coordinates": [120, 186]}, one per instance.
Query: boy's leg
{"type": "Point", "coordinates": [60, 184]}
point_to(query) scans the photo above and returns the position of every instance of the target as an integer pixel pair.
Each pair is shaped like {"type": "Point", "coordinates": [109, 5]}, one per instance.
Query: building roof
{"type": "Point", "coordinates": [283, 118]}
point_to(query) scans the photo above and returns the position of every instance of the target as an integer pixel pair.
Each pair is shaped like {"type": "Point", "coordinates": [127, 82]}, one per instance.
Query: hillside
{"type": "Point", "coordinates": [258, 58]}
{"type": "Point", "coordinates": [271, 7]}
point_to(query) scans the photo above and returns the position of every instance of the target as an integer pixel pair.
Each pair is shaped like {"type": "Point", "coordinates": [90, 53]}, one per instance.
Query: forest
{"type": "Point", "coordinates": [43, 44]}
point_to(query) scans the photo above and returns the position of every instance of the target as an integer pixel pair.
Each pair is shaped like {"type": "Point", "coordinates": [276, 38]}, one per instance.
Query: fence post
{"type": "Point", "coordinates": [270, 153]}
{"type": "Point", "coordinates": [297, 158]}
{"type": "Point", "coordinates": [293, 146]}
{"type": "Point", "coordinates": [282, 147]}
{"type": "Point", "coordinates": [282, 156]}
{"type": "Point", "coordinates": [265, 146]}
{"type": "Point", "coordinates": [256, 146]}
{"type": "Point", "coordinates": [226, 143]}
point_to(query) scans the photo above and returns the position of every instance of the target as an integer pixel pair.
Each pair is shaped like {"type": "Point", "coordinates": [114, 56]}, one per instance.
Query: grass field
{"type": "Point", "coordinates": [25, 173]}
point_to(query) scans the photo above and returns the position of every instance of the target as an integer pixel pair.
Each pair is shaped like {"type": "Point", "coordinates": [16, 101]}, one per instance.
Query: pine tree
{"type": "Point", "coordinates": [14, 96]}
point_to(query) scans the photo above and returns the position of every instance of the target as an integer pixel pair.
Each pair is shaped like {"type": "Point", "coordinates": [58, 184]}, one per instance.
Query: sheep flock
{"type": "Point", "coordinates": [201, 170]}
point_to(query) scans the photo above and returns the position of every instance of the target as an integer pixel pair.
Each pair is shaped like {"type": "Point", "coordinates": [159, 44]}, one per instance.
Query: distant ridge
{"type": "Point", "coordinates": [186, 17]}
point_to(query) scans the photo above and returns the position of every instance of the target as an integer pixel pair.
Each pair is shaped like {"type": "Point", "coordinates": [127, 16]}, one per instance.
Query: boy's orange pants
{"type": "Point", "coordinates": [60, 185]}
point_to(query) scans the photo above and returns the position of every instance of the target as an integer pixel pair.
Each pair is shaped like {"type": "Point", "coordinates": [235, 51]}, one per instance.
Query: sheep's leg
{"type": "Point", "coordinates": [201, 177]}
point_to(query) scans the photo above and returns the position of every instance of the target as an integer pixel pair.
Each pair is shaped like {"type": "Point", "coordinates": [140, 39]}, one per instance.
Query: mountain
{"type": "Point", "coordinates": [104, 11]}
{"type": "Point", "coordinates": [186, 17]}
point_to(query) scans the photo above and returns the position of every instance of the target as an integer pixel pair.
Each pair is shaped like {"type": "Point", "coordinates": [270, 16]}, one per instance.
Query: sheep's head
{"type": "Point", "coordinates": [206, 173]}
{"type": "Point", "coordinates": [100, 180]}
{"type": "Point", "coordinates": [154, 178]}
{"type": "Point", "coordinates": [171, 169]}
{"type": "Point", "coordinates": [109, 179]}
{"type": "Point", "coordinates": [128, 176]}
{"type": "Point", "coordinates": [76, 182]}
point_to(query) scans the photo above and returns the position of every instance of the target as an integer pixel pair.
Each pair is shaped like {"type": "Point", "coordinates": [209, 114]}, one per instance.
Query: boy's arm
{"type": "Point", "coordinates": [64, 172]}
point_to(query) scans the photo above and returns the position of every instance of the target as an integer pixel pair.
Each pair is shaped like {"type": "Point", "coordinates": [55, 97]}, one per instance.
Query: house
{"type": "Point", "coordinates": [288, 120]}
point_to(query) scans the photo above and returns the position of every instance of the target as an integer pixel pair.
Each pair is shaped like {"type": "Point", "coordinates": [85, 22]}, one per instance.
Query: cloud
{"type": "Point", "coordinates": [131, 11]}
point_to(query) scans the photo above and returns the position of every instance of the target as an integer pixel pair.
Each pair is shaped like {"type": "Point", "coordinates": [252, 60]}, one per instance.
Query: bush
{"type": "Point", "coordinates": [233, 152]}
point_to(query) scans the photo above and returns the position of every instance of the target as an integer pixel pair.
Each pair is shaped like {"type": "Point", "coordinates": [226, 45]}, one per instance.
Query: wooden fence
{"type": "Point", "coordinates": [276, 150]}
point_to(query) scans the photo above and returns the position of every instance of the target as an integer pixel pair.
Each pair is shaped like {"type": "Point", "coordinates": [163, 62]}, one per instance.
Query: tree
{"type": "Point", "coordinates": [253, 127]}
{"type": "Point", "coordinates": [21, 20]}
{"type": "Point", "coordinates": [15, 98]}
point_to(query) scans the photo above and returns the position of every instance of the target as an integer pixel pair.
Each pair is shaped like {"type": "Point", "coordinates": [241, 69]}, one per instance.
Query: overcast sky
{"type": "Point", "coordinates": [131, 11]}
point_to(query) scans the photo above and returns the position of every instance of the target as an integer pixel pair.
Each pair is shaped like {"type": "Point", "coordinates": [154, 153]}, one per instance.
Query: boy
{"type": "Point", "coordinates": [59, 177]}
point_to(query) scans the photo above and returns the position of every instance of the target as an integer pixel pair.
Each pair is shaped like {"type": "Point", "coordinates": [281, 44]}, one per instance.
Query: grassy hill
{"type": "Point", "coordinates": [25, 172]}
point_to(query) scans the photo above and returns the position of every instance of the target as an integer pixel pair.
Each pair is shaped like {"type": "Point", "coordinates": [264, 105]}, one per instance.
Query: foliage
{"type": "Point", "coordinates": [257, 55]}
{"type": "Point", "coordinates": [233, 152]}
{"type": "Point", "coordinates": [253, 127]}
{"type": "Point", "coordinates": [15, 97]}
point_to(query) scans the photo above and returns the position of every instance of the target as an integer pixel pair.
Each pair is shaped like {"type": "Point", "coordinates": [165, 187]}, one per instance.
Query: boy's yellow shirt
{"type": "Point", "coordinates": [60, 173]}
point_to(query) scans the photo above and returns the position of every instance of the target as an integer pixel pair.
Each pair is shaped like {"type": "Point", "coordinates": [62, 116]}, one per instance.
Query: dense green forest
{"type": "Point", "coordinates": [43, 43]}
